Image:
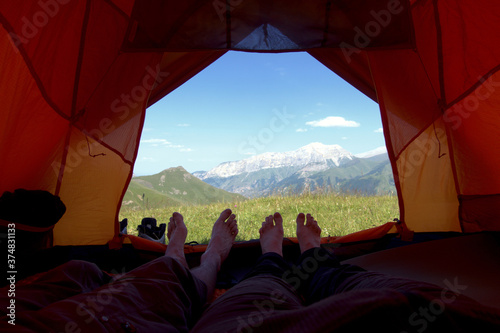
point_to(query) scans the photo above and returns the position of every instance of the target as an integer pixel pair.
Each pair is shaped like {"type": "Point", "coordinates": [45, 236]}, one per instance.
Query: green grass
{"type": "Point", "coordinates": [336, 214]}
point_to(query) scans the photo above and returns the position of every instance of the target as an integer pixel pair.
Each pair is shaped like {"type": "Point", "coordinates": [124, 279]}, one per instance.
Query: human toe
{"type": "Point", "coordinates": [224, 215]}
{"type": "Point", "coordinates": [300, 219]}
{"type": "Point", "coordinates": [278, 219]}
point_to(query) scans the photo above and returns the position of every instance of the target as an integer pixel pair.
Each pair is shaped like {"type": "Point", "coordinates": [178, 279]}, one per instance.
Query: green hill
{"type": "Point", "coordinates": [174, 186]}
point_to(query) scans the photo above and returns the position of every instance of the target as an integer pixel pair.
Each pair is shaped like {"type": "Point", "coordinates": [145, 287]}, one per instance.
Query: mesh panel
{"type": "Point", "coordinates": [113, 114]}
{"type": "Point", "coordinates": [408, 98]}
{"type": "Point", "coordinates": [262, 25]}
{"type": "Point", "coordinates": [354, 69]}
{"type": "Point", "coordinates": [266, 38]}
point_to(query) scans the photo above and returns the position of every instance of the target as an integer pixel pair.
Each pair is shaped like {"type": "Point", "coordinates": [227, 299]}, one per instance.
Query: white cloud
{"type": "Point", "coordinates": [156, 141]}
{"type": "Point", "coordinates": [165, 143]}
{"type": "Point", "coordinates": [379, 130]}
{"type": "Point", "coordinates": [333, 122]}
{"type": "Point", "coordinates": [183, 125]}
{"type": "Point", "coordinates": [301, 130]}
{"type": "Point", "coordinates": [344, 138]}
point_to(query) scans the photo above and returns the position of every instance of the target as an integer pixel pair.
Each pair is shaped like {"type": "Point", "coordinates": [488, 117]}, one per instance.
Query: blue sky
{"type": "Point", "coordinates": [251, 103]}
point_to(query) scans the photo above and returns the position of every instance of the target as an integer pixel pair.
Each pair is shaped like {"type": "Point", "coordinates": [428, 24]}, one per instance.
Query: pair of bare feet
{"type": "Point", "coordinates": [271, 233]}
{"type": "Point", "coordinates": [224, 233]}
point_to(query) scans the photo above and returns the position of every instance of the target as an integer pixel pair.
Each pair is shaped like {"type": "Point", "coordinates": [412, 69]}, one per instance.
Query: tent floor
{"type": "Point", "coordinates": [469, 264]}
{"type": "Point", "coordinates": [469, 261]}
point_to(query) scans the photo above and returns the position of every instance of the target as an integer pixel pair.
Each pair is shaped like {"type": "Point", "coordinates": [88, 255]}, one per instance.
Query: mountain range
{"type": "Point", "coordinates": [314, 167]}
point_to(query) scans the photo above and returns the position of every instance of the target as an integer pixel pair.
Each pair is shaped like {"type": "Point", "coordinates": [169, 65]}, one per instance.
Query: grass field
{"type": "Point", "coordinates": [336, 214]}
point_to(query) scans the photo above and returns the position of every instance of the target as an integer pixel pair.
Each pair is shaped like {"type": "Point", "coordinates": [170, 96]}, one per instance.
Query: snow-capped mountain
{"type": "Point", "coordinates": [375, 152]}
{"type": "Point", "coordinates": [315, 166]}
{"type": "Point", "coordinates": [316, 156]}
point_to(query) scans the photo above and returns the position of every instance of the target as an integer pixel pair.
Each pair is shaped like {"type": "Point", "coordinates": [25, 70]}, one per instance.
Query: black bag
{"type": "Point", "coordinates": [32, 214]}
{"type": "Point", "coordinates": [148, 230]}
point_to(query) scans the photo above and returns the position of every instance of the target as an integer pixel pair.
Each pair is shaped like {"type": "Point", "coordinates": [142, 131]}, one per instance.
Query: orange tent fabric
{"type": "Point", "coordinates": [77, 77]}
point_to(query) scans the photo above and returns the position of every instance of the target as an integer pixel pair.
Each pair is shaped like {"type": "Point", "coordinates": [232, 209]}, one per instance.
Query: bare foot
{"type": "Point", "coordinates": [224, 232]}
{"type": "Point", "coordinates": [309, 235]}
{"type": "Point", "coordinates": [271, 235]}
{"type": "Point", "coordinates": [176, 234]}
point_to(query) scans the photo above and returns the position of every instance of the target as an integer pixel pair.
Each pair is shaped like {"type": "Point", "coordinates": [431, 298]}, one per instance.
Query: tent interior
{"type": "Point", "coordinates": [68, 127]}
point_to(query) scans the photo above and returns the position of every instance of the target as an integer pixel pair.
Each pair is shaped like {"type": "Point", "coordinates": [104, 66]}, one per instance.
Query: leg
{"type": "Point", "coordinates": [224, 232]}
{"type": "Point", "coordinates": [349, 298]}
{"type": "Point", "coordinates": [319, 273]}
{"type": "Point", "coordinates": [261, 296]}
{"type": "Point", "coordinates": [176, 234]}
{"type": "Point", "coordinates": [69, 279]}
{"type": "Point", "coordinates": [271, 241]}
{"type": "Point", "coordinates": [161, 295]}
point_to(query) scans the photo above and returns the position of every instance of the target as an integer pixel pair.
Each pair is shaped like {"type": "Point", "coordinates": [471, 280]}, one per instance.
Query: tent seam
{"type": "Point", "coordinates": [63, 159]}
{"type": "Point", "coordinates": [100, 81]}
{"type": "Point", "coordinates": [228, 25]}
{"type": "Point", "coordinates": [417, 135]}
{"type": "Point", "coordinates": [131, 172]}
{"type": "Point", "coordinates": [114, 150]}
{"type": "Point", "coordinates": [156, 96]}
{"type": "Point", "coordinates": [75, 97]}
{"type": "Point", "coordinates": [476, 85]}
{"type": "Point", "coordinates": [327, 23]}
{"type": "Point", "coordinates": [477, 196]}
{"type": "Point", "coordinates": [118, 9]}
{"type": "Point", "coordinates": [390, 149]}
{"type": "Point", "coordinates": [78, 70]}
{"type": "Point", "coordinates": [442, 102]}
{"type": "Point", "coordinates": [439, 39]}
{"type": "Point", "coordinates": [455, 176]}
